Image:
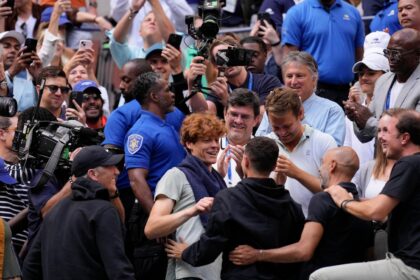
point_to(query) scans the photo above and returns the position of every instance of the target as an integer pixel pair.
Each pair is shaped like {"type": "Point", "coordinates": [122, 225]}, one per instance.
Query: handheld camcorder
{"type": "Point", "coordinates": [233, 56]}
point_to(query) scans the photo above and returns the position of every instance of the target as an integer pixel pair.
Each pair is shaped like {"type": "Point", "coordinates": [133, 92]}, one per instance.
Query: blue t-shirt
{"type": "Point", "coordinates": [121, 120]}
{"type": "Point", "coordinates": [153, 144]}
{"type": "Point", "coordinates": [331, 37]}
{"type": "Point", "coordinates": [387, 18]}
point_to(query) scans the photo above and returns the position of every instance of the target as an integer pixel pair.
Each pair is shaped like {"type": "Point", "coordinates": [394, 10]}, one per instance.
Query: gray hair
{"type": "Point", "coordinates": [303, 58]}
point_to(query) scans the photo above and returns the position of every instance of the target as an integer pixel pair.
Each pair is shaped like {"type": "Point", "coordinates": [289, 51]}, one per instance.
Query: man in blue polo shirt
{"type": "Point", "coordinates": [152, 147]}
{"type": "Point", "coordinates": [332, 32]}
{"type": "Point", "coordinates": [387, 18]}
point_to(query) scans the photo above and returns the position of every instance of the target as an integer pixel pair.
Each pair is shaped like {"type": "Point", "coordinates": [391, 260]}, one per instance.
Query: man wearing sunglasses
{"type": "Point", "coordinates": [56, 90]}
{"type": "Point", "coordinates": [399, 88]}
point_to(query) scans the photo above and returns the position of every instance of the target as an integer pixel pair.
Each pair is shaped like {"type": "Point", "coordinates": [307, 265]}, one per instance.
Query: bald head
{"type": "Point", "coordinates": [407, 38]}
{"type": "Point", "coordinates": [347, 160]}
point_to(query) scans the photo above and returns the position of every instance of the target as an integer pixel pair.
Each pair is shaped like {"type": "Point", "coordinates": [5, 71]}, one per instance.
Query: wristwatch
{"type": "Point", "coordinates": [3, 84]}
{"type": "Point", "coordinates": [93, 4]}
{"type": "Point", "coordinates": [115, 195]}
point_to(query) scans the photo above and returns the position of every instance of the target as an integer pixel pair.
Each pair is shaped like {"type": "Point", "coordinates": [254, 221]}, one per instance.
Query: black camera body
{"type": "Point", "coordinates": [43, 143]}
{"type": "Point", "coordinates": [233, 56]}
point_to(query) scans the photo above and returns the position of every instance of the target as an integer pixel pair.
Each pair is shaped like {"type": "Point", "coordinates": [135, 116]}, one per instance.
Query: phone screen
{"type": "Point", "coordinates": [175, 40]}
{"type": "Point", "coordinates": [30, 45]}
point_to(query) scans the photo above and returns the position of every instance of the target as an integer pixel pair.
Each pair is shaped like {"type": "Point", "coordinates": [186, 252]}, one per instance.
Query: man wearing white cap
{"type": "Point", "coordinates": [400, 88]}
{"type": "Point", "coordinates": [20, 67]}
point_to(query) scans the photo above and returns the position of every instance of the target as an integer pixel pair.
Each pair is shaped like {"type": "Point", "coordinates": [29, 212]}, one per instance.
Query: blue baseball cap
{"type": "Point", "coordinates": [155, 48]}
{"type": "Point", "coordinates": [84, 85]}
{"type": "Point", "coordinates": [4, 174]}
{"type": "Point", "coordinates": [46, 16]}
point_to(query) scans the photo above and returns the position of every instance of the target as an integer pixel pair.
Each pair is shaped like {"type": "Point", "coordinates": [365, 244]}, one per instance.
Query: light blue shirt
{"type": "Point", "coordinates": [123, 52]}
{"type": "Point", "coordinates": [23, 90]}
{"type": "Point", "coordinates": [320, 113]}
{"type": "Point", "coordinates": [331, 37]}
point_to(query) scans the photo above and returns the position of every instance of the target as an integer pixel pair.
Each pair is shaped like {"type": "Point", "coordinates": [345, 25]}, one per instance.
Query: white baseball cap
{"type": "Point", "coordinates": [373, 59]}
{"type": "Point", "coordinates": [377, 39]}
{"type": "Point", "coordinates": [13, 34]}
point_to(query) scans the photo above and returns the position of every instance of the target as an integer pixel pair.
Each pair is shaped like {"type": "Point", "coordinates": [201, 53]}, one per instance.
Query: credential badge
{"type": "Point", "coordinates": [134, 143]}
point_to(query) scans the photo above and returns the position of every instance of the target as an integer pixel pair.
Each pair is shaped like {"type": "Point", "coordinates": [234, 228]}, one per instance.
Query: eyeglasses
{"type": "Point", "coordinates": [53, 89]}
{"type": "Point", "coordinates": [396, 54]}
{"type": "Point", "coordinates": [88, 96]}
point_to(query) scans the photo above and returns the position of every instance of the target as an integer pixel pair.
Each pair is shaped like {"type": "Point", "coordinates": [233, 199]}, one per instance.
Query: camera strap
{"type": "Point", "coordinates": [53, 161]}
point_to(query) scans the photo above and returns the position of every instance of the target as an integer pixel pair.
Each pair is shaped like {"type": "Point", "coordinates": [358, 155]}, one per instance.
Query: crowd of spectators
{"type": "Point", "coordinates": [299, 160]}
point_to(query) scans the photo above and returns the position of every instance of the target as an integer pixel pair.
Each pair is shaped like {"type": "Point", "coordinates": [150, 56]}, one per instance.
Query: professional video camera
{"type": "Point", "coordinates": [43, 144]}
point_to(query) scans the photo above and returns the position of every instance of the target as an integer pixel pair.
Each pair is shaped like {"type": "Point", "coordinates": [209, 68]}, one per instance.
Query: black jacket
{"type": "Point", "coordinates": [258, 213]}
{"type": "Point", "coordinates": [81, 238]}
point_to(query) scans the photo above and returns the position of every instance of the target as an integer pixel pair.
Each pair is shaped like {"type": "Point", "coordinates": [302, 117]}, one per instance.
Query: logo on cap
{"type": "Point", "coordinates": [134, 143]}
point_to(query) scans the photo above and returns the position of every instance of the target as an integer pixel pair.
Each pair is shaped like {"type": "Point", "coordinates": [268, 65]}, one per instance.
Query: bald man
{"type": "Point", "coordinates": [330, 235]}
{"type": "Point", "coordinates": [399, 88]}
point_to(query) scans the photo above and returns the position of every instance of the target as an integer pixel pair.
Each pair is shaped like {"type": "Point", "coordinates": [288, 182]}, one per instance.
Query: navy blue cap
{"type": "Point", "coordinates": [46, 16]}
{"type": "Point", "coordinates": [155, 48]}
{"type": "Point", "coordinates": [4, 174]}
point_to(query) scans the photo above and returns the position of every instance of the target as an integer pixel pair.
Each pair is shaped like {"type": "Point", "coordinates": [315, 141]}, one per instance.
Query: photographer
{"type": "Point", "coordinates": [236, 77]}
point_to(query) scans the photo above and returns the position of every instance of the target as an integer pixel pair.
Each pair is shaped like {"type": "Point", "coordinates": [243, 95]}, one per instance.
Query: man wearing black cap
{"type": "Point", "coordinates": [82, 238]}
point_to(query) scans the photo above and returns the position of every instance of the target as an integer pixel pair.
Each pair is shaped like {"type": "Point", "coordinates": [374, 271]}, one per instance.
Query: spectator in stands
{"type": "Point", "coordinates": [257, 211]}
{"type": "Point", "coordinates": [398, 88]}
{"type": "Point", "coordinates": [184, 195]}
{"type": "Point", "coordinates": [373, 65]}
{"type": "Point", "coordinates": [330, 235]}
{"type": "Point", "coordinates": [81, 67]}
{"type": "Point", "coordinates": [409, 14]}
{"type": "Point", "coordinates": [174, 10]}
{"type": "Point", "coordinates": [13, 194]}
{"type": "Point", "coordinates": [92, 104]}
{"type": "Point", "coordinates": [387, 18]}
{"type": "Point", "coordinates": [241, 116]}
{"type": "Point", "coordinates": [21, 68]}
{"type": "Point", "coordinates": [25, 18]}
{"type": "Point", "coordinates": [262, 61]}
{"type": "Point", "coordinates": [307, 28]}
{"type": "Point", "coordinates": [155, 27]}
{"type": "Point", "coordinates": [301, 75]}
{"type": "Point", "coordinates": [236, 77]}
{"type": "Point", "coordinates": [301, 146]}
{"type": "Point", "coordinates": [277, 10]}
{"type": "Point", "coordinates": [398, 202]}
{"type": "Point", "coordinates": [82, 236]}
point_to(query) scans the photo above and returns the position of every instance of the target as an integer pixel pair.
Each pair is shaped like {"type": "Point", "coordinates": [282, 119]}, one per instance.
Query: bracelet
{"type": "Point", "coordinates": [345, 202]}
{"type": "Point", "coordinates": [276, 44]}
{"type": "Point", "coordinates": [132, 13]}
{"type": "Point", "coordinates": [115, 195]}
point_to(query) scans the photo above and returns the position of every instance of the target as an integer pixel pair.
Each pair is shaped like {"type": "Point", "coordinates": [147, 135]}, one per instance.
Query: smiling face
{"type": "Point", "coordinates": [205, 149]}
{"type": "Point", "coordinates": [106, 176]}
{"type": "Point", "coordinates": [159, 65]}
{"type": "Point", "coordinates": [92, 105]}
{"type": "Point", "coordinates": [287, 127]}
{"type": "Point", "coordinates": [240, 120]}
{"type": "Point", "coordinates": [149, 29]}
{"type": "Point", "coordinates": [402, 55]}
{"type": "Point", "coordinates": [77, 74]}
{"type": "Point", "coordinates": [389, 137]}
{"type": "Point", "coordinates": [54, 101]}
{"type": "Point", "coordinates": [299, 78]}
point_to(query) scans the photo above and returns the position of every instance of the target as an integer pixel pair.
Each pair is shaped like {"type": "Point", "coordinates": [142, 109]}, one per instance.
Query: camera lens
{"type": "Point", "coordinates": [8, 106]}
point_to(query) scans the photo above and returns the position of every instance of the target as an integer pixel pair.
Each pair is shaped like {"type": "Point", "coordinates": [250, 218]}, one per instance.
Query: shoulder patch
{"type": "Point", "coordinates": [134, 143]}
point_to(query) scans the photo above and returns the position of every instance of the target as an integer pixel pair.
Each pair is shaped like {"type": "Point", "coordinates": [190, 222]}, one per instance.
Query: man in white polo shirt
{"type": "Point", "coordinates": [301, 147]}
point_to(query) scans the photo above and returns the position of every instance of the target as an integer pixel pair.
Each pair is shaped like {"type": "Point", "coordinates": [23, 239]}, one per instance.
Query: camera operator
{"type": "Point", "coordinates": [42, 198]}
{"type": "Point", "coordinates": [13, 194]}
{"type": "Point", "coordinates": [21, 67]}
{"type": "Point", "coordinates": [236, 77]}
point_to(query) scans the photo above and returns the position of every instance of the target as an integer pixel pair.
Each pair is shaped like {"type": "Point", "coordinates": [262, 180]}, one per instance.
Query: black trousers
{"type": "Point", "coordinates": [148, 257]}
{"type": "Point", "coordinates": [336, 93]}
